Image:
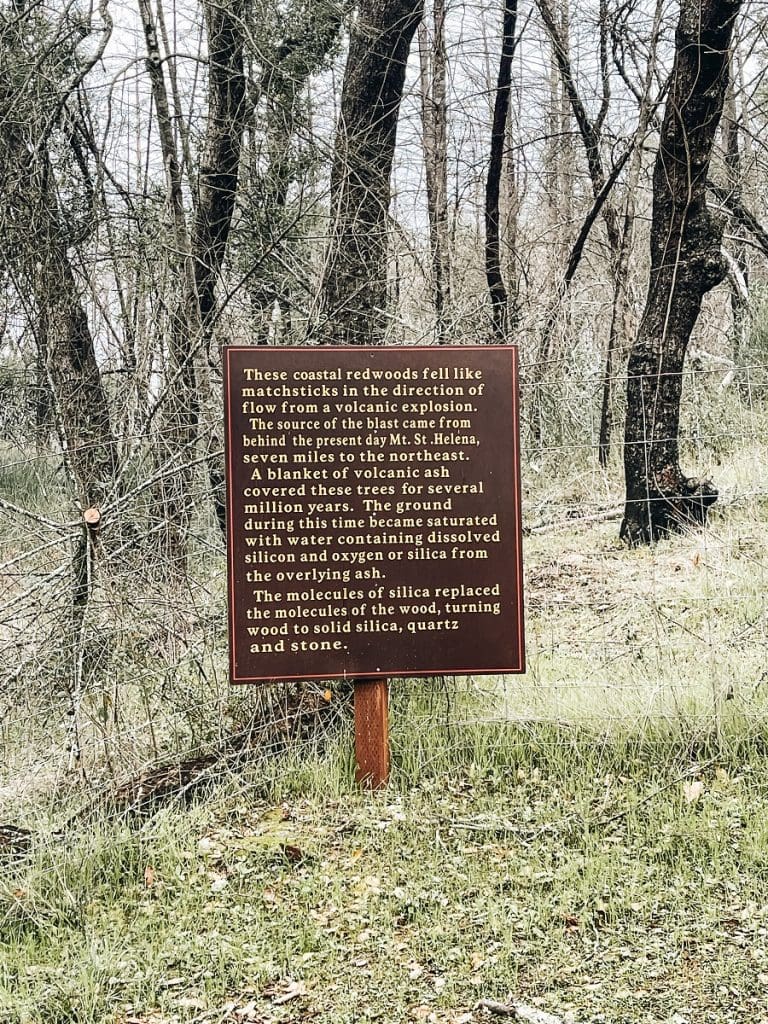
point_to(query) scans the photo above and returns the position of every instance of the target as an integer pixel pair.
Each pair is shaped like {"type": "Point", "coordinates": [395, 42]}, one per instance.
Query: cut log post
{"type": "Point", "coordinates": [92, 517]}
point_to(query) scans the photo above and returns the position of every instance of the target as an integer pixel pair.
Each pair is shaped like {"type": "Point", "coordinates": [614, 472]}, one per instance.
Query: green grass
{"type": "Point", "coordinates": [591, 838]}
{"type": "Point", "coordinates": [594, 877]}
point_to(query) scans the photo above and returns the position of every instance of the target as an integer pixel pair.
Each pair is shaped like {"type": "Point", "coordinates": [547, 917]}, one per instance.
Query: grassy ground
{"type": "Point", "coordinates": [599, 882]}
{"type": "Point", "coordinates": [591, 839]}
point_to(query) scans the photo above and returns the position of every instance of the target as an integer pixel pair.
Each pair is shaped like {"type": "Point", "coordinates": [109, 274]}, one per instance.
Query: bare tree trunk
{"type": "Point", "coordinates": [354, 287]}
{"type": "Point", "coordinates": [180, 410]}
{"type": "Point", "coordinates": [216, 195]}
{"type": "Point", "coordinates": [591, 133]}
{"type": "Point", "coordinates": [734, 177]}
{"type": "Point", "coordinates": [493, 273]}
{"type": "Point", "coordinates": [686, 262]}
{"type": "Point", "coordinates": [69, 379]}
{"type": "Point", "coordinates": [590, 129]}
{"type": "Point", "coordinates": [434, 112]}
{"type": "Point", "coordinates": [622, 328]}
{"type": "Point", "coordinates": [513, 189]}
{"type": "Point", "coordinates": [220, 160]}
{"type": "Point", "coordinates": [284, 86]}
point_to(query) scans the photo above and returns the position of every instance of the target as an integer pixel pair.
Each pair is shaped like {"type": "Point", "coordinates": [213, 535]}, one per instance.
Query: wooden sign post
{"type": "Point", "coordinates": [371, 732]}
{"type": "Point", "coordinates": [373, 519]}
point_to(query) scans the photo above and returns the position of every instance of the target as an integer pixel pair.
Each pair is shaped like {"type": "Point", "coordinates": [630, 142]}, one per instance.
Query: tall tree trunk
{"type": "Point", "coordinates": [621, 329]}
{"type": "Point", "coordinates": [591, 133]}
{"type": "Point", "coordinates": [686, 262]}
{"type": "Point", "coordinates": [68, 354]}
{"type": "Point", "coordinates": [216, 194]}
{"type": "Point", "coordinates": [493, 273]}
{"type": "Point", "coordinates": [274, 207]}
{"type": "Point", "coordinates": [434, 113]}
{"type": "Point", "coordinates": [740, 269]}
{"type": "Point", "coordinates": [354, 287]}
{"type": "Point", "coordinates": [220, 160]}
{"type": "Point", "coordinates": [179, 413]}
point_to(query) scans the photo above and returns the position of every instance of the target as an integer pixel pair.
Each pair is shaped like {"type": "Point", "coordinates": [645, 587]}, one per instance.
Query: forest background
{"type": "Point", "coordinates": [176, 176]}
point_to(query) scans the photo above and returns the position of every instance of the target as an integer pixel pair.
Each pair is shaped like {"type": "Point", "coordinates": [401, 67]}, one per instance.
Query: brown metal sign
{"type": "Point", "coordinates": [374, 512]}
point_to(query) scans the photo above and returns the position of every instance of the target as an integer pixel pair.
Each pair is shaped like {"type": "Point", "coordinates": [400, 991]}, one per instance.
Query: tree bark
{"type": "Point", "coordinates": [734, 178]}
{"type": "Point", "coordinates": [220, 161]}
{"type": "Point", "coordinates": [216, 194]}
{"type": "Point", "coordinates": [179, 413]}
{"type": "Point", "coordinates": [434, 115]}
{"type": "Point", "coordinates": [621, 329]}
{"type": "Point", "coordinates": [354, 288]}
{"type": "Point", "coordinates": [686, 262]}
{"type": "Point", "coordinates": [493, 274]}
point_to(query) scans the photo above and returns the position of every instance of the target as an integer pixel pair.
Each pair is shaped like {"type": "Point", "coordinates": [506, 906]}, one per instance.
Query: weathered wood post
{"type": "Point", "coordinates": [372, 732]}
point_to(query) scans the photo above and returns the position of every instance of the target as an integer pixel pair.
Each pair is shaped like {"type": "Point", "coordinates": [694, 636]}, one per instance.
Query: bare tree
{"type": "Point", "coordinates": [622, 327]}
{"type": "Point", "coordinates": [282, 158]}
{"type": "Point", "coordinates": [41, 228]}
{"type": "Point", "coordinates": [354, 287]}
{"type": "Point", "coordinates": [218, 176]}
{"type": "Point", "coordinates": [686, 262]}
{"type": "Point", "coordinates": [180, 409]}
{"type": "Point", "coordinates": [216, 194]}
{"type": "Point", "coordinates": [590, 130]}
{"type": "Point", "coordinates": [434, 116]}
{"type": "Point", "coordinates": [493, 273]}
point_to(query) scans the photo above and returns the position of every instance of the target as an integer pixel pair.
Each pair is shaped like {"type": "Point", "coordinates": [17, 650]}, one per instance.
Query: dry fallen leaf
{"type": "Point", "coordinates": [423, 1013]}
{"type": "Point", "coordinates": [692, 790]}
{"type": "Point", "coordinates": [149, 876]}
{"type": "Point", "coordinates": [291, 852]}
{"type": "Point", "coordinates": [247, 1014]}
{"type": "Point", "coordinates": [294, 990]}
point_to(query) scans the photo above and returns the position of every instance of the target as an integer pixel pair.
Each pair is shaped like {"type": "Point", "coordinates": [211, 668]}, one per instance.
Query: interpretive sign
{"type": "Point", "coordinates": [374, 512]}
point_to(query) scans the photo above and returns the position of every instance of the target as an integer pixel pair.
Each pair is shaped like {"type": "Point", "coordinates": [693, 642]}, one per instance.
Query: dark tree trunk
{"type": "Point", "coordinates": [220, 163]}
{"type": "Point", "coordinates": [71, 382]}
{"type": "Point", "coordinates": [354, 289]}
{"type": "Point", "coordinates": [686, 262]}
{"type": "Point", "coordinates": [70, 360]}
{"type": "Point", "coordinates": [217, 192]}
{"type": "Point", "coordinates": [493, 274]}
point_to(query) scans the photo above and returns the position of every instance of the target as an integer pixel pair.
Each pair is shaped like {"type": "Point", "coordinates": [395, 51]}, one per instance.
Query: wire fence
{"type": "Point", "coordinates": [616, 638]}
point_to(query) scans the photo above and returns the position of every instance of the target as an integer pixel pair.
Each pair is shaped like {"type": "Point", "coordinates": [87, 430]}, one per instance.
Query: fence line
{"type": "Point", "coordinates": [675, 632]}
